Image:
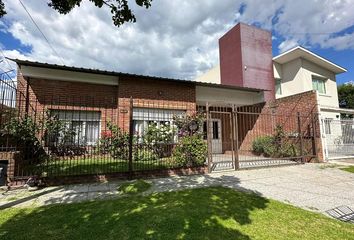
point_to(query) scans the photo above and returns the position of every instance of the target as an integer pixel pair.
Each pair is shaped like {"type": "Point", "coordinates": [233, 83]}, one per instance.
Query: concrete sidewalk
{"type": "Point", "coordinates": [315, 187]}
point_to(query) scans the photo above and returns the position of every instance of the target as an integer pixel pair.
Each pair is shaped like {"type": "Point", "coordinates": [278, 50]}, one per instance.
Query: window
{"type": "Point", "coordinates": [278, 86]}
{"type": "Point", "coordinates": [84, 124]}
{"type": "Point", "coordinates": [328, 122]}
{"type": "Point", "coordinates": [215, 130]}
{"type": "Point", "coordinates": [142, 117]}
{"type": "Point", "coordinates": [319, 85]}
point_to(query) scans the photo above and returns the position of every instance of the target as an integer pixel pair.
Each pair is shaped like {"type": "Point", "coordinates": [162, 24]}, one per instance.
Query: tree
{"type": "Point", "coordinates": [346, 96]}
{"type": "Point", "coordinates": [120, 9]}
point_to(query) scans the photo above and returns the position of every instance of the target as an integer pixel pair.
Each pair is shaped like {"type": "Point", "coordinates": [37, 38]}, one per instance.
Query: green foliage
{"type": "Point", "coordinates": [120, 9]}
{"type": "Point", "coordinates": [261, 143]}
{"type": "Point", "coordinates": [134, 187]}
{"type": "Point", "coordinates": [157, 138]}
{"type": "Point", "coordinates": [190, 151]}
{"type": "Point", "coordinates": [144, 155]}
{"type": "Point", "coordinates": [159, 134]}
{"type": "Point", "coordinates": [24, 132]}
{"type": "Point", "coordinates": [185, 124]}
{"type": "Point", "coordinates": [346, 96]}
{"type": "Point", "coordinates": [2, 9]}
{"type": "Point", "coordinates": [115, 142]}
{"type": "Point", "coordinates": [59, 136]}
{"type": "Point", "coordinates": [348, 169]}
{"type": "Point", "coordinates": [289, 150]}
{"type": "Point", "coordinates": [275, 145]}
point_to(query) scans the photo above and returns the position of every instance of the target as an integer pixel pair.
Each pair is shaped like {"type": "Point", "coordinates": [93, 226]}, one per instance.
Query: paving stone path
{"type": "Point", "coordinates": [315, 187]}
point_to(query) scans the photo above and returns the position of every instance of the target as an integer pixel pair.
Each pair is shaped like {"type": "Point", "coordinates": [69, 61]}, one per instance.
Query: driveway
{"type": "Point", "coordinates": [316, 187]}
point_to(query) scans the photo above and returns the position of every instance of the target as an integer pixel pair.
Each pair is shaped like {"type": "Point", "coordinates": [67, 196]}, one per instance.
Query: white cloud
{"type": "Point", "coordinates": [172, 38]}
{"type": "Point", "coordinates": [287, 44]}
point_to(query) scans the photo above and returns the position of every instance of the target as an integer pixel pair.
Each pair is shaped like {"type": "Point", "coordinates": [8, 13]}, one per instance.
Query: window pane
{"type": "Point", "coordinates": [215, 130]}
{"type": "Point", "coordinates": [278, 86]}
{"type": "Point", "coordinates": [314, 84]}
{"type": "Point", "coordinates": [92, 132]}
{"type": "Point", "coordinates": [328, 122]}
{"type": "Point", "coordinates": [319, 85]}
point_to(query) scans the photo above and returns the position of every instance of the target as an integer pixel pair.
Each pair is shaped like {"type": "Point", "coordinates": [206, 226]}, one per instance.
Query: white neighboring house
{"type": "Point", "coordinates": [299, 70]}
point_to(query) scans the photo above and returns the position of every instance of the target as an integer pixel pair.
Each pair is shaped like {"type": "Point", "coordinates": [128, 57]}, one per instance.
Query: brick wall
{"type": "Point", "coordinates": [149, 93]}
{"type": "Point", "coordinates": [112, 101]}
{"type": "Point", "coordinates": [63, 95]}
{"type": "Point", "coordinates": [284, 112]}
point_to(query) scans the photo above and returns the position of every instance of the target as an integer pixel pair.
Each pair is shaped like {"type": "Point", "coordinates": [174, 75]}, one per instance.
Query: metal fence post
{"type": "Point", "coordinates": [208, 138]}
{"type": "Point", "coordinates": [235, 133]}
{"type": "Point", "coordinates": [300, 137]}
{"type": "Point", "coordinates": [314, 131]}
{"type": "Point", "coordinates": [130, 156]}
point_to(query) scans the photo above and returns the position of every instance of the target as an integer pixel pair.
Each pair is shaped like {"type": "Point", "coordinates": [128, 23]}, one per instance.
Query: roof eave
{"type": "Point", "coordinates": [113, 73]}
{"type": "Point", "coordinates": [335, 68]}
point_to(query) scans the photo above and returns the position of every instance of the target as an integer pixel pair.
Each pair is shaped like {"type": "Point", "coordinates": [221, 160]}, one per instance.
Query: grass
{"type": "Point", "coordinates": [100, 165]}
{"type": "Point", "coordinates": [205, 213]}
{"type": "Point", "coordinates": [134, 187]}
{"type": "Point", "coordinates": [329, 165]}
{"type": "Point", "coordinates": [348, 169]}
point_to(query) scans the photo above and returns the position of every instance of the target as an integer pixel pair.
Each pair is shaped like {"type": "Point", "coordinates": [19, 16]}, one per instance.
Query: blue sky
{"type": "Point", "coordinates": [180, 43]}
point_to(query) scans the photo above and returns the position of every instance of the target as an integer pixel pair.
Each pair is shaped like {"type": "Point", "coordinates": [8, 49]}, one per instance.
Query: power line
{"type": "Point", "coordinates": [34, 22]}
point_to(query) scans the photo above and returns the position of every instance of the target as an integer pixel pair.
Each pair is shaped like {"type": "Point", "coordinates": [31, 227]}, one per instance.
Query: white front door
{"type": "Point", "coordinates": [216, 139]}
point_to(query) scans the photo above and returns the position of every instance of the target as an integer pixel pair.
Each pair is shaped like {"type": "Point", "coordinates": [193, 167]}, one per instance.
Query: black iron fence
{"type": "Point", "coordinates": [56, 136]}
{"type": "Point", "coordinates": [60, 137]}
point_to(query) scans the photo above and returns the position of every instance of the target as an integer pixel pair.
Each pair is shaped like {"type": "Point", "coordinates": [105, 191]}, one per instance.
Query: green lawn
{"type": "Point", "coordinates": [206, 213]}
{"type": "Point", "coordinates": [348, 169]}
{"type": "Point", "coordinates": [100, 165]}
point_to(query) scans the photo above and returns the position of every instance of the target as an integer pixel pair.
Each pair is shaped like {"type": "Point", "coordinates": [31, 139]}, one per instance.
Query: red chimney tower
{"type": "Point", "coordinates": [246, 59]}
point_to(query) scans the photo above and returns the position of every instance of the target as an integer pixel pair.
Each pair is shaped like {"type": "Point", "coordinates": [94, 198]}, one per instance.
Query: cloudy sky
{"type": "Point", "coordinates": [174, 38]}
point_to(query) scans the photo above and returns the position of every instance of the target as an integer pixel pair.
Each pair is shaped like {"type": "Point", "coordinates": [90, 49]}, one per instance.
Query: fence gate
{"type": "Point", "coordinates": [250, 137]}
{"type": "Point", "coordinates": [339, 138]}
{"type": "Point", "coordinates": [221, 138]}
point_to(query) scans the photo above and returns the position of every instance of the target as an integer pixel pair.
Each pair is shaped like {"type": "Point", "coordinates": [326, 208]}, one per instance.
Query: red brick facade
{"type": "Point", "coordinates": [113, 102]}
{"type": "Point", "coordinates": [285, 111]}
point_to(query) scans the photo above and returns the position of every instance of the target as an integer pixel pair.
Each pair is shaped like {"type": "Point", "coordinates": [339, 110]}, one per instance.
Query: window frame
{"type": "Point", "coordinates": [80, 123]}
{"type": "Point", "coordinates": [327, 126]}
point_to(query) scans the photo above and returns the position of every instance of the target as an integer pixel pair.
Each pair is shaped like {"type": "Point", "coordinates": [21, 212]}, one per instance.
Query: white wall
{"type": "Point", "coordinates": [296, 77]}
{"type": "Point", "coordinates": [221, 96]}
{"type": "Point", "coordinates": [211, 76]}
{"type": "Point", "coordinates": [56, 74]}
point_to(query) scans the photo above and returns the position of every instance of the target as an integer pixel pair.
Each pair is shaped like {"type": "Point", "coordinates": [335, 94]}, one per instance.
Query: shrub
{"type": "Point", "coordinates": [59, 137]}
{"type": "Point", "coordinates": [289, 150]}
{"type": "Point", "coordinates": [24, 132]}
{"type": "Point", "coordinates": [157, 138]}
{"type": "Point", "coordinates": [275, 145]}
{"type": "Point", "coordinates": [115, 142]}
{"type": "Point", "coordinates": [184, 123]}
{"type": "Point", "coordinates": [144, 155]}
{"type": "Point", "coordinates": [260, 144]}
{"type": "Point", "coordinates": [190, 151]}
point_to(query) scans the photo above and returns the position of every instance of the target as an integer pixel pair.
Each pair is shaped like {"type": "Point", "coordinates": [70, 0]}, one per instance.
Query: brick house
{"type": "Point", "coordinates": [97, 97]}
{"type": "Point", "coordinates": [88, 99]}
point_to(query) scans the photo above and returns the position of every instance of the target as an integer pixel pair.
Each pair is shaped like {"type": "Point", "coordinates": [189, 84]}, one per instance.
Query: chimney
{"type": "Point", "coordinates": [246, 59]}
